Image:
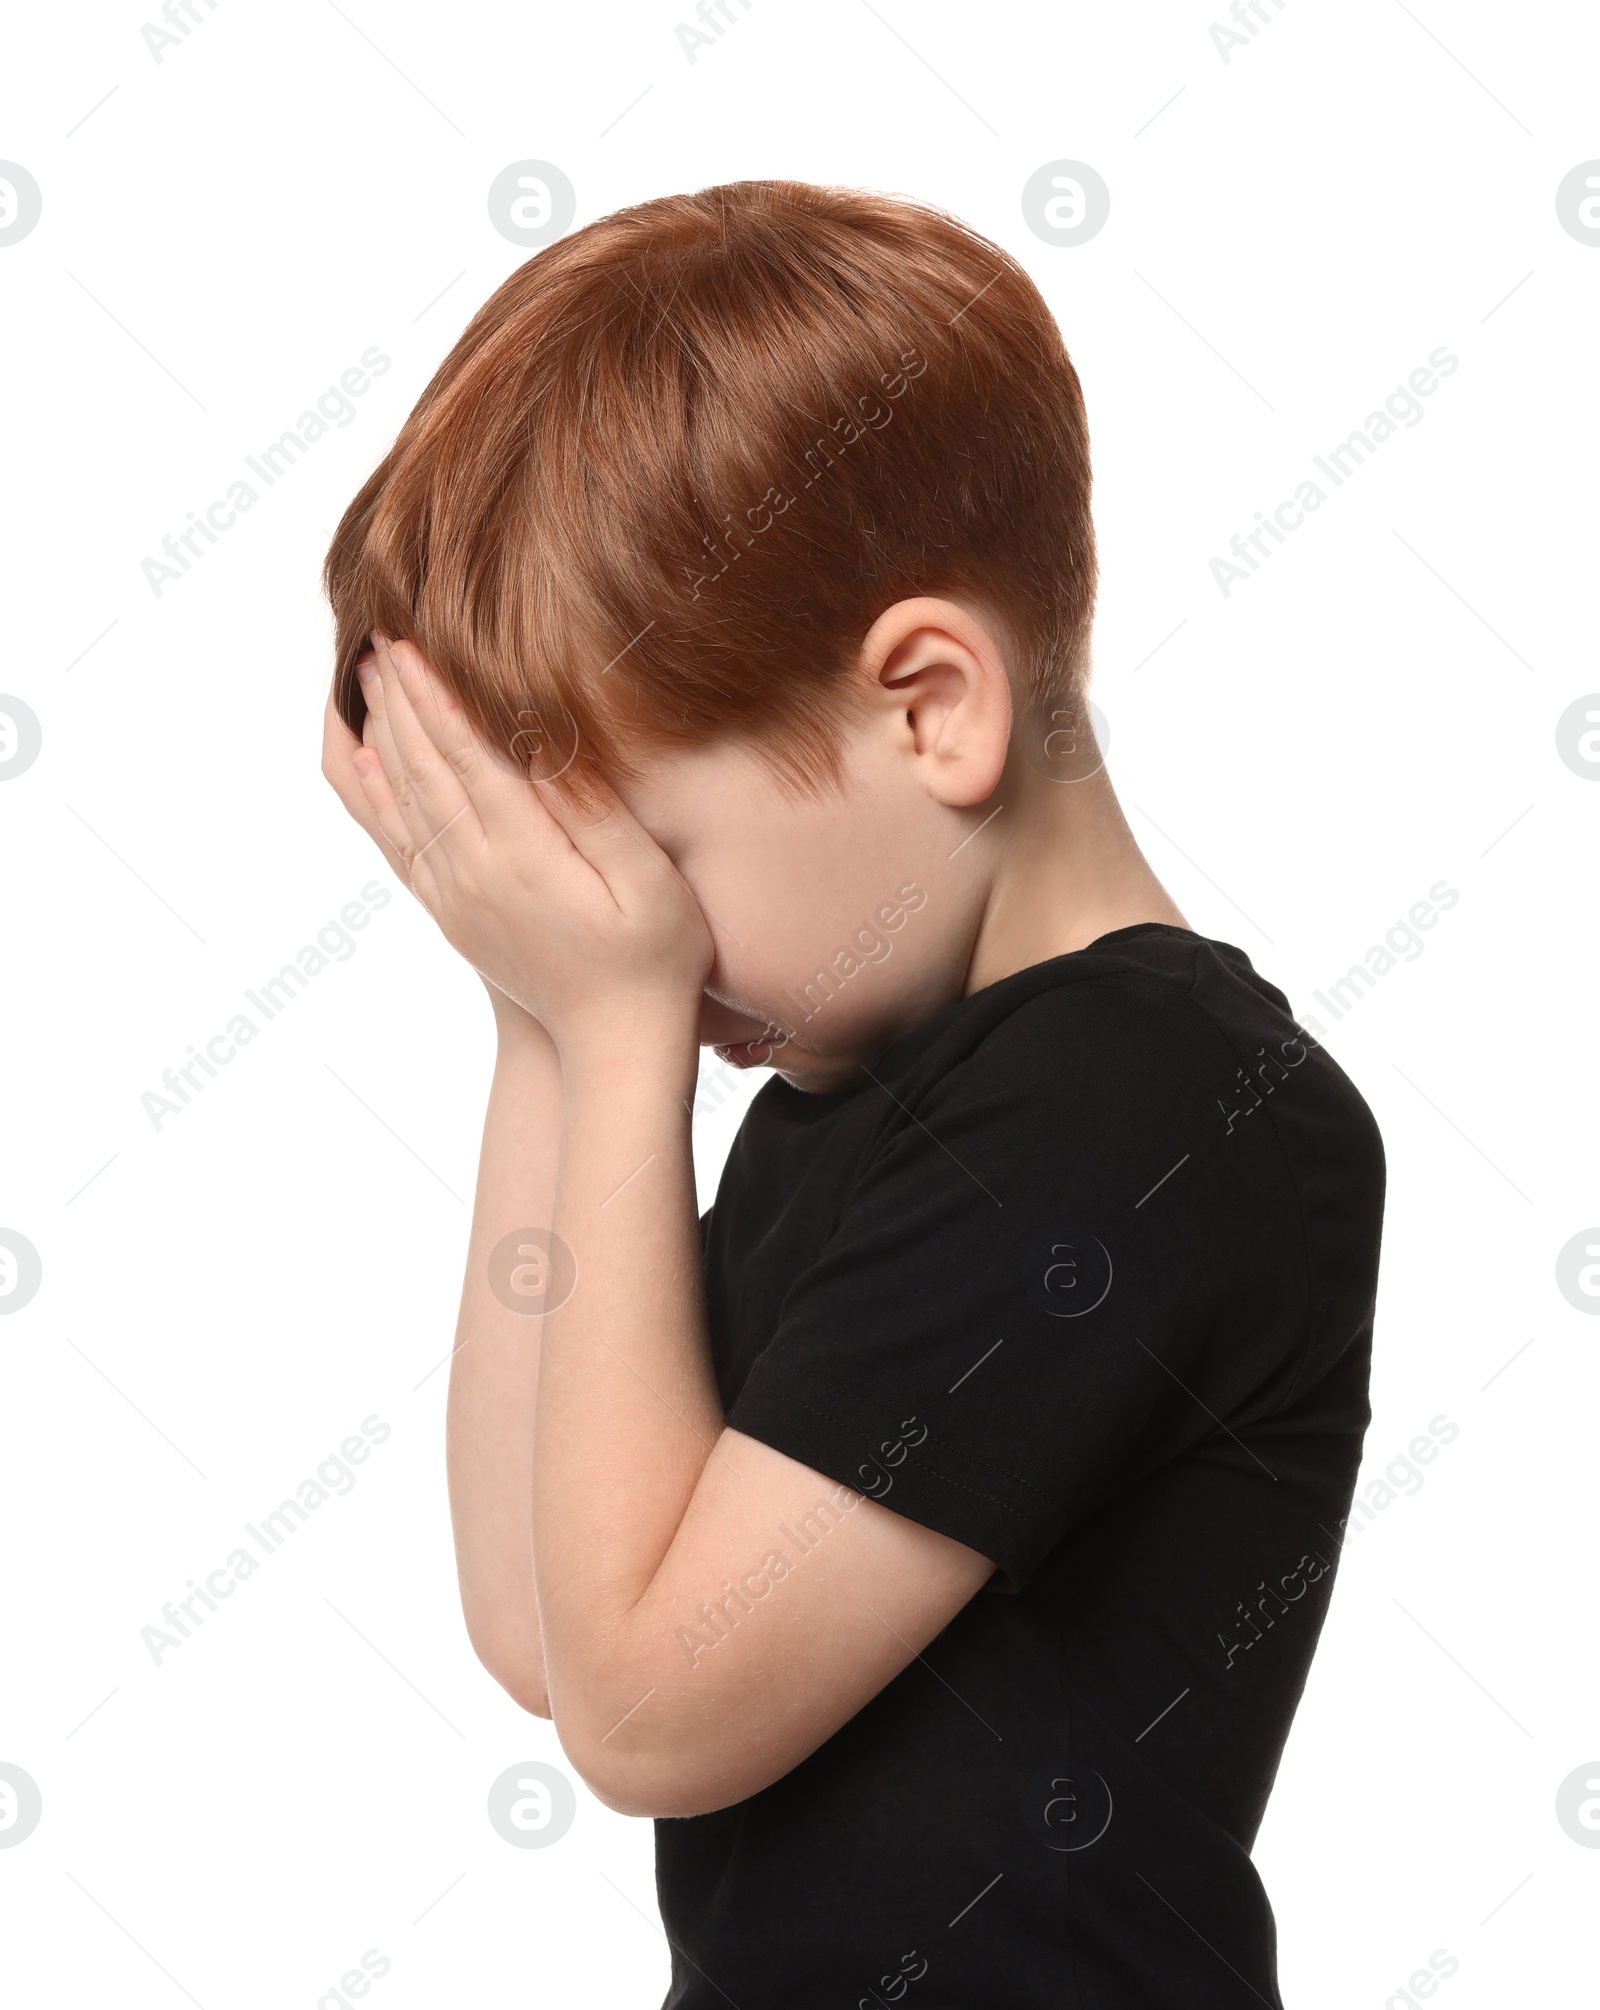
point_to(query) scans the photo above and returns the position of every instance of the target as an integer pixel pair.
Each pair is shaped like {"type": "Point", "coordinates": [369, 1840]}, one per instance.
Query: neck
{"type": "Point", "coordinates": [1068, 871]}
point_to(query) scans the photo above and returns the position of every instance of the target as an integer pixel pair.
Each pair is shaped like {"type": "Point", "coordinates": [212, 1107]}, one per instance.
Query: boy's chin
{"type": "Point", "coordinates": [744, 1053]}
{"type": "Point", "coordinates": [818, 1074]}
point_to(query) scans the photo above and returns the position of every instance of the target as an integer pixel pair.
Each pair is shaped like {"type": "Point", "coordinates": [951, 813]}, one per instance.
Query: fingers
{"type": "Point", "coordinates": [605, 832]}
{"type": "Point", "coordinates": [442, 797]}
{"type": "Point", "coordinates": [421, 787]}
{"type": "Point", "coordinates": [435, 709]}
{"type": "Point", "coordinates": [496, 783]}
{"type": "Point", "coordinates": [343, 758]}
{"type": "Point", "coordinates": [338, 746]}
{"type": "Point", "coordinates": [382, 813]}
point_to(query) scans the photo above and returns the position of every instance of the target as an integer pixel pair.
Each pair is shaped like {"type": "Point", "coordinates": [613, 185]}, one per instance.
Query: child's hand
{"type": "Point", "coordinates": [575, 913]}
{"type": "Point", "coordinates": [339, 749]}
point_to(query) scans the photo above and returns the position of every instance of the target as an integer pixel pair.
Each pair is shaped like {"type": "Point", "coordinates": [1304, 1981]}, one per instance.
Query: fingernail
{"type": "Point", "coordinates": [379, 641]}
{"type": "Point", "coordinates": [366, 669]}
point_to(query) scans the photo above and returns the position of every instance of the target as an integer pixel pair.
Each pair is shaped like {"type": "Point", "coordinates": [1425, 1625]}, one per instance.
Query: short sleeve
{"type": "Point", "coordinates": [1055, 1271]}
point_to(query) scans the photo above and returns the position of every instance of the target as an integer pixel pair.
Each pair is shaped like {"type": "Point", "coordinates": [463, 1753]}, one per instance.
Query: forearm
{"type": "Point", "coordinates": [494, 1372]}
{"type": "Point", "coordinates": [653, 1519]}
{"type": "Point", "coordinates": [628, 1405]}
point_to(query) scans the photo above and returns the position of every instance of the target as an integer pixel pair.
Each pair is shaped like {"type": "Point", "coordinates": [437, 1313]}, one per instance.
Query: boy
{"type": "Point", "coordinates": [934, 1539]}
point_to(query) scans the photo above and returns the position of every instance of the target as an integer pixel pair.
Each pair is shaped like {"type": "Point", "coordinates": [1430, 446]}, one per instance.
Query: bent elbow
{"type": "Point", "coordinates": [645, 1791]}
{"type": "Point", "coordinates": [522, 1680]}
{"type": "Point", "coordinates": [660, 1783]}
{"type": "Point", "coordinates": [531, 1696]}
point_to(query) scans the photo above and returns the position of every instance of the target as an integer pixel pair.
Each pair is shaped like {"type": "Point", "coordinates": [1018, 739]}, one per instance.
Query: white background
{"type": "Point", "coordinates": [1292, 232]}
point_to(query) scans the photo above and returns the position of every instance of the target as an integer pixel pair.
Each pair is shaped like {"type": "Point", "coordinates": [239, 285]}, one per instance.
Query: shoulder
{"type": "Point", "coordinates": [1112, 1067]}
{"type": "Point", "coordinates": [1165, 1014]}
{"type": "Point", "coordinates": [1098, 1030]}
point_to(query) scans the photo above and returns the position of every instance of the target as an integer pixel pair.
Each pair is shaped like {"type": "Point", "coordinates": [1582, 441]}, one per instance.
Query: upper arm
{"type": "Point", "coordinates": [785, 1603]}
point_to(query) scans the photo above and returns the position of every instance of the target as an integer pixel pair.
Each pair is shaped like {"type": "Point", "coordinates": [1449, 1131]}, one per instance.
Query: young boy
{"type": "Point", "coordinates": [935, 1537]}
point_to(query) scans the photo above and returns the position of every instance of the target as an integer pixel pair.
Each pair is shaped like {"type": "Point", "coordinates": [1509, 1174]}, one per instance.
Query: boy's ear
{"type": "Point", "coordinates": [938, 670]}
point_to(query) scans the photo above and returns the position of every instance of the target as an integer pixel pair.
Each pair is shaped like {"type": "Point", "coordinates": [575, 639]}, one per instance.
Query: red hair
{"type": "Point", "coordinates": [680, 461]}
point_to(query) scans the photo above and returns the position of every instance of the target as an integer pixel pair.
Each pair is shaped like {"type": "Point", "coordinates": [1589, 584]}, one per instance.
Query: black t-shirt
{"type": "Point", "coordinates": [1082, 1277]}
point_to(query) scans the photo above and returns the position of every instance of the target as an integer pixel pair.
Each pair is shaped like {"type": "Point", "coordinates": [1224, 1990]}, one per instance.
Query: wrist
{"type": "Point", "coordinates": [638, 1054]}
{"type": "Point", "coordinates": [515, 1028]}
